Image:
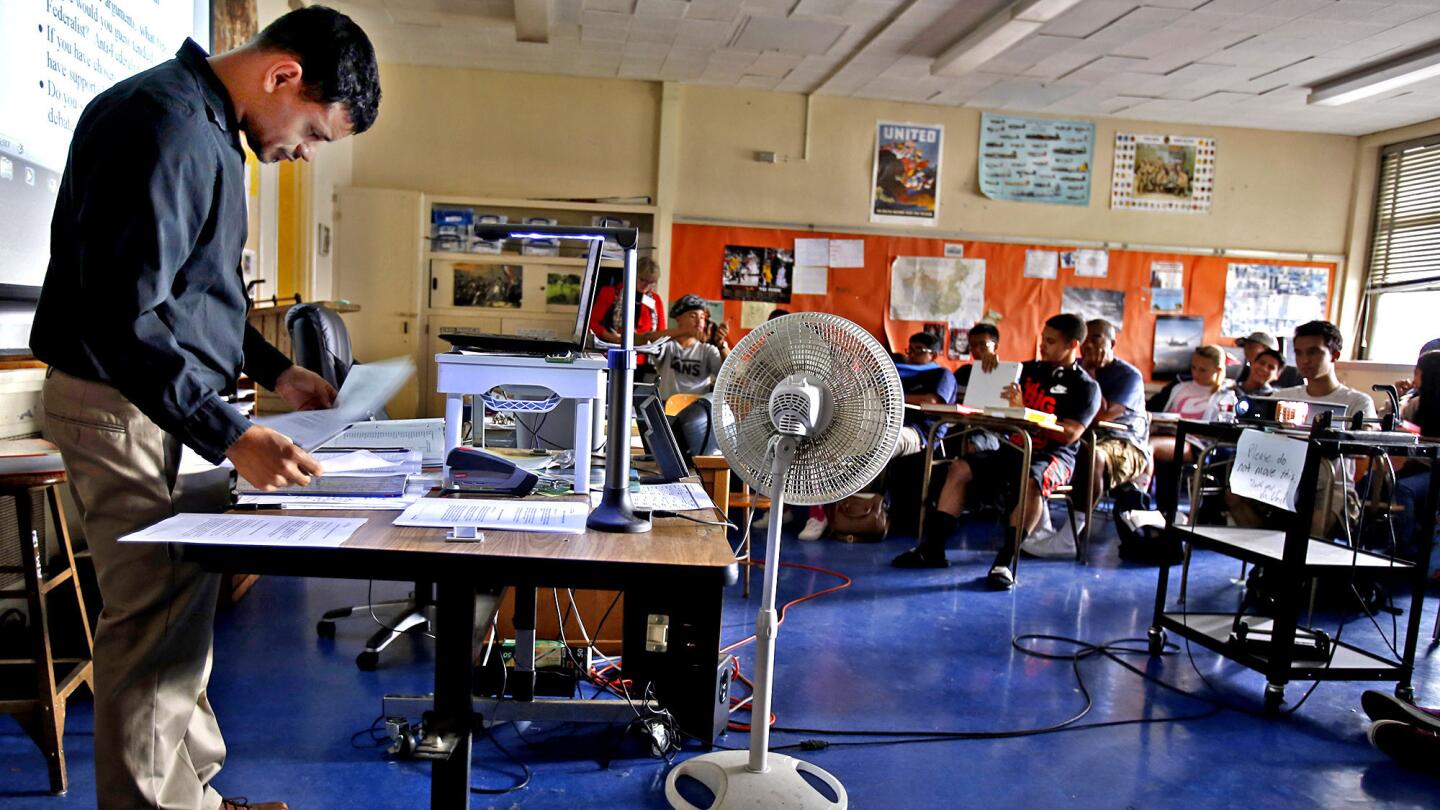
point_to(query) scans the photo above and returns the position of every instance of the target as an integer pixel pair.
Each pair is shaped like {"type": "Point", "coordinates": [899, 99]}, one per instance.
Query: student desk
{"type": "Point", "coordinates": [977, 418]}
{"type": "Point", "coordinates": [678, 570]}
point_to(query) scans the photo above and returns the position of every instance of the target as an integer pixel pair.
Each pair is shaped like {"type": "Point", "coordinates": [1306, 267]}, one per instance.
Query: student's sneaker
{"type": "Point", "coordinates": [1385, 706]}
{"type": "Point", "coordinates": [921, 557]}
{"type": "Point", "coordinates": [814, 529]}
{"type": "Point", "coordinates": [1001, 577]}
{"type": "Point", "coordinates": [762, 522]}
{"type": "Point", "coordinates": [1406, 744]}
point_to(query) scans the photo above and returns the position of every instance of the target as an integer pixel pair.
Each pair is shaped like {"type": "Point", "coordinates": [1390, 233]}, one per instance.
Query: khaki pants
{"type": "Point", "coordinates": [156, 740]}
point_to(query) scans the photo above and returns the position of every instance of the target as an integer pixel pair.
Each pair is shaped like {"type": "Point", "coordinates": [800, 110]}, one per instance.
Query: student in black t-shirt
{"type": "Point", "coordinates": [1054, 384]}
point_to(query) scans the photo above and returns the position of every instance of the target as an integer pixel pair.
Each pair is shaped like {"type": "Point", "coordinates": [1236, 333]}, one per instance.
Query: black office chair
{"type": "Point", "coordinates": [321, 343]}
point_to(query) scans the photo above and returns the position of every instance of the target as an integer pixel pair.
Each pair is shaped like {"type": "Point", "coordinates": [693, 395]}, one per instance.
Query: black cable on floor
{"type": "Point", "coordinates": [520, 785]}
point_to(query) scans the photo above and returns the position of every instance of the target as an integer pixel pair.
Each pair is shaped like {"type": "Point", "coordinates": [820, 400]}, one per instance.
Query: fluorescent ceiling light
{"type": "Point", "coordinates": [997, 34]}
{"type": "Point", "coordinates": [1382, 77]}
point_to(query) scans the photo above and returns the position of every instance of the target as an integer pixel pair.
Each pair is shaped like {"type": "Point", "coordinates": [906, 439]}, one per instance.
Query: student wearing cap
{"type": "Point", "coordinates": [689, 361]}
{"type": "Point", "coordinates": [1254, 345]}
{"type": "Point", "coordinates": [1260, 374]}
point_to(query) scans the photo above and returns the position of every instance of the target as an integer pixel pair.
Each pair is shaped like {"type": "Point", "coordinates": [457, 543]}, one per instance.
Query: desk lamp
{"type": "Point", "coordinates": [614, 513]}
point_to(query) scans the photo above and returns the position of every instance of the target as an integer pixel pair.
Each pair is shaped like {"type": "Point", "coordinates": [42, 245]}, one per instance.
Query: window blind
{"type": "Point", "coordinates": [1405, 236]}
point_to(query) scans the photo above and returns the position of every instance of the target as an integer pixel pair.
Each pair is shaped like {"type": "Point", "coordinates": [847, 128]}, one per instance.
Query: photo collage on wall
{"type": "Point", "coordinates": [757, 274]}
{"type": "Point", "coordinates": [1174, 173]}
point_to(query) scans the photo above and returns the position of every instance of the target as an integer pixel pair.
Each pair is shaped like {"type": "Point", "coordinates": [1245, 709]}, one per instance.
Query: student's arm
{"type": "Point", "coordinates": [604, 300]}
{"type": "Point", "coordinates": [1112, 407]}
{"type": "Point", "coordinates": [1082, 406]}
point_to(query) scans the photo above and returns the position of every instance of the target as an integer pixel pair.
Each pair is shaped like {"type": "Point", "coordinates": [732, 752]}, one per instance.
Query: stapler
{"type": "Point", "coordinates": [471, 469]}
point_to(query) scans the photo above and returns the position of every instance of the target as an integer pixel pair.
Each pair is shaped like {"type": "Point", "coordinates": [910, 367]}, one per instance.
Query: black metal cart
{"type": "Point", "coordinates": [1277, 645]}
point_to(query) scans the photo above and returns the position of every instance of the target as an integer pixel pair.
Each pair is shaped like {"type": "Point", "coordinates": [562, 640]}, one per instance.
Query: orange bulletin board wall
{"type": "Point", "coordinates": [863, 294]}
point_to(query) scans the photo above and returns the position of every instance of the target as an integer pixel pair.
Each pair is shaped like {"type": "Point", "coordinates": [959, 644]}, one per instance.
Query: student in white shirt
{"type": "Point", "coordinates": [689, 361]}
{"type": "Point", "coordinates": [1317, 346]}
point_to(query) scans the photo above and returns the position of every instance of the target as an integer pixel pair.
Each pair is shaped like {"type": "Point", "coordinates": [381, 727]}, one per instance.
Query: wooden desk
{"type": "Point", "coordinates": [973, 418]}
{"type": "Point", "coordinates": [678, 570]}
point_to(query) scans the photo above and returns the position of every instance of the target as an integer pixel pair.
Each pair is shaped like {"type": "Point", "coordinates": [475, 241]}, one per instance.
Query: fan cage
{"type": "Point", "coordinates": [864, 388]}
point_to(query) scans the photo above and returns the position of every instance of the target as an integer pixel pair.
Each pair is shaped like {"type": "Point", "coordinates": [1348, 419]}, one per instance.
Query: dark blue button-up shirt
{"type": "Point", "coordinates": [144, 290]}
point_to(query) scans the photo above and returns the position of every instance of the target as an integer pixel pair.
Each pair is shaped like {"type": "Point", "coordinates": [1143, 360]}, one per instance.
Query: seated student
{"type": "Point", "coordinates": [925, 382]}
{"type": "Point", "coordinates": [606, 314]}
{"type": "Point", "coordinates": [1261, 374]}
{"type": "Point", "coordinates": [1317, 346]}
{"type": "Point", "coordinates": [984, 340]}
{"type": "Point", "coordinates": [1122, 456]}
{"type": "Point", "coordinates": [688, 362]}
{"type": "Point", "coordinates": [1408, 389]}
{"type": "Point", "coordinates": [1192, 399]}
{"type": "Point", "coordinates": [1054, 384]}
{"type": "Point", "coordinates": [1257, 344]}
{"type": "Point", "coordinates": [1422, 412]}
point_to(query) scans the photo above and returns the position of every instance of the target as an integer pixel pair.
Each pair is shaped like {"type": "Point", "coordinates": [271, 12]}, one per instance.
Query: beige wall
{"type": "Point", "coordinates": [482, 133]}
{"type": "Point", "coordinates": [1279, 191]}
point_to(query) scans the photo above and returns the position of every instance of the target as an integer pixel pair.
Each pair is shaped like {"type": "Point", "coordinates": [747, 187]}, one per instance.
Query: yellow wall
{"type": "Point", "coordinates": [483, 133]}
{"type": "Point", "coordinates": [1274, 190]}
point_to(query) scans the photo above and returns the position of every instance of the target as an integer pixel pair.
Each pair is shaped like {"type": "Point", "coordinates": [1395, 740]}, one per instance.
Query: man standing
{"type": "Point", "coordinates": [1122, 455]}
{"type": "Point", "coordinates": [142, 321]}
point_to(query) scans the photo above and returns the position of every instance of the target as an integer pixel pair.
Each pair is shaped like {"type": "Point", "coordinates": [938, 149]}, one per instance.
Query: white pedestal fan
{"type": "Point", "coordinates": [807, 409]}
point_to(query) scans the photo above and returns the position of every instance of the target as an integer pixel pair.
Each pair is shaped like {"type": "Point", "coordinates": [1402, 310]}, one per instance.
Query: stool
{"type": "Point", "coordinates": [41, 708]}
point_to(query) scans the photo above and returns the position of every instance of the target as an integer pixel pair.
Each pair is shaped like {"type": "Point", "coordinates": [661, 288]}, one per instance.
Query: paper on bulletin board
{"type": "Point", "coordinates": [928, 288]}
{"type": "Point", "coordinates": [1167, 275]}
{"type": "Point", "coordinates": [1041, 263]}
{"type": "Point", "coordinates": [1092, 263]}
{"type": "Point", "coordinates": [812, 252]}
{"type": "Point", "coordinates": [754, 313]}
{"type": "Point", "coordinates": [954, 250]}
{"type": "Point", "coordinates": [716, 310]}
{"type": "Point", "coordinates": [1267, 468]}
{"type": "Point", "coordinates": [811, 280]}
{"type": "Point", "coordinates": [1164, 299]}
{"type": "Point", "coordinates": [847, 253]}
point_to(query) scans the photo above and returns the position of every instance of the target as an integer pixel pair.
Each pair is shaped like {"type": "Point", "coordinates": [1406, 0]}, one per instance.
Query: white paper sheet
{"type": "Point", "coordinates": [984, 389]}
{"type": "Point", "coordinates": [1092, 263]}
{"type": "Point", "coordinates": [812, 252]}
{"type": "Point", "coordinates": [847, 252]}
{"type": "Point", "coordinates": [425, 435]}
{"type": "Point", "coordinates": [248, 530]}
{"type": "Point", "coordinates": [954, 250]}
{"type": "Point", "coordinates": [1267, 468]}
{"type": "Point", "coordinates": [1041, 263]}
{"type": "Point", "coordinates": [327, 502]}
{"type": "Point", "coordinates": [680, 497]}
{"type": "Point", "coordinates": [366, 390]}
{"type": "Point", "coordinates": [523, 516]}
{"type": "Point", "coordinates": [810, 279]}
{"type": "Point", "coordinates": [367, 463]}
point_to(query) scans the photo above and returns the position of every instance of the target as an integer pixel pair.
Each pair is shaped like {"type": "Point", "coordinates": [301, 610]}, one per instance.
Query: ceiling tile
{"type": "Point", "coordinates": [660, 8]}
{"type": "Point", "coordinates": [774, 63]}
{"type": "Point", "coordinates": [1088, 17]}
{"type": "Point", "coordinates": [614, 6]}
{"type": "Point", "coordinates": [703, 33]}
{"type": "Point", "coordinates": [821, 8]}
{"type": "Point", "coordinates": [790, 36]}
{"type": "Point", "coordinates": [724, 10]}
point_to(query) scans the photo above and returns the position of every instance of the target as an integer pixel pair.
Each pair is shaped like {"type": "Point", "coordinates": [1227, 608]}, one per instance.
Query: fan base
{"type": "Point", "coordinates": [726, 775]}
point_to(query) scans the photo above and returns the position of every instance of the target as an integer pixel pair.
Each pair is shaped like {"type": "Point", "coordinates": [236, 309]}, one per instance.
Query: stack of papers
{"type": "Point", "coordinates": [425, 435]}
{"type": "Point", "coordinates": [522, 516]}
{"type": "Point", "coordinates": [245, 530]}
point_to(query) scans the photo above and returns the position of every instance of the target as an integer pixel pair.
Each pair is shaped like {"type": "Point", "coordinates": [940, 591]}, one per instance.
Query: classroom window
{"type": "Point", "coordinates": [1402, 285]}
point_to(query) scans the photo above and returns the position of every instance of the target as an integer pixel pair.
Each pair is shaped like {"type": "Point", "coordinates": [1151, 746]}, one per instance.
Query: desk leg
{"type": "Point", "coordinates": [454, 665]}
{"type": "Point", "coordinates": [454, 412]}
{"type": "Point", "coordinates": [584, 411]}
{"type": "Point", "coordinates": [523, 686]}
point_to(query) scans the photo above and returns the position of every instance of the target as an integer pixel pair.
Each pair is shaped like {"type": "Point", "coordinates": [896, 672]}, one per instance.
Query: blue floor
{"type": "Point", "coordinates": [907, 650]}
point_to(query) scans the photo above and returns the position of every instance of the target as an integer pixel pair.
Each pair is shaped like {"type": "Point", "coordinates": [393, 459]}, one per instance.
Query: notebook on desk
{"type": "Point", "coordinates": [579, 339]}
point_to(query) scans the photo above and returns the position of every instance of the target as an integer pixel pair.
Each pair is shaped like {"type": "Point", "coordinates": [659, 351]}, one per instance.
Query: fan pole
{"type": "Point", "coordinates": [764, 781]}
{"type": "Point", "coordinates": [614, 513]}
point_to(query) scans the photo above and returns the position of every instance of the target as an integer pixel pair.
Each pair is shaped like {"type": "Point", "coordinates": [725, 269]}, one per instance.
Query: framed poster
{"type": "Point", "coordinates": [1174, 173]}
{"type": "Point", "coordinates": [1036, 159]}
{"type": "Point", "coordinates": [905, 180]}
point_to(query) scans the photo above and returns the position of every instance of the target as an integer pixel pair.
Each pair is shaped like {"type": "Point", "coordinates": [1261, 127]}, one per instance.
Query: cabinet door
{"type": "Point", "coordinates": [378, 266]}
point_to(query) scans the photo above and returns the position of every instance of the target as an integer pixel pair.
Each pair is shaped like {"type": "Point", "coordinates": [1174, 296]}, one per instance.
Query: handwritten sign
{"type": "Point", "coordinates": [1267, 468]}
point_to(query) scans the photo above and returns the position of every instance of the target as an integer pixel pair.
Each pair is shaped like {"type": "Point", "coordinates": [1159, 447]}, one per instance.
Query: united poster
{"type": "Point", "coordinates": [906, 177]}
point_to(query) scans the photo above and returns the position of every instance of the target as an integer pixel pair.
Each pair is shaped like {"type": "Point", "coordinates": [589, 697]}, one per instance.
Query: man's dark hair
{"type": "Point", "coordinates": [1334, 341]}
{"type": "Point", "coordinates": [927, 340]}
{"type": "Point", "coordinates": [336, 56]}
{"type": "Point", "coordinates": [1070, 327]}
{"type": "Point", "coordinates": [777, 313]}
{"type": "Point", "coordinates": [989, 329]}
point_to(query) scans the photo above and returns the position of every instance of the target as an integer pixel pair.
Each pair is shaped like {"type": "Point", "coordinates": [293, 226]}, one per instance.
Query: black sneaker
{"type": "Point", "coordinates": [918, 557]}
{"type": "Point", "coordinates": [1407, 745]}
{"type": "Point", "coordinates": [1385, 706]}
{"type": "Point", "coordinates": [1001, 577]}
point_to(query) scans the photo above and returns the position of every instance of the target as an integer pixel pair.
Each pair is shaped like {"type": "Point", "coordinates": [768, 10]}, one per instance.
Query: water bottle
{"type": "Point", "coordinates": [1225, 406]}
